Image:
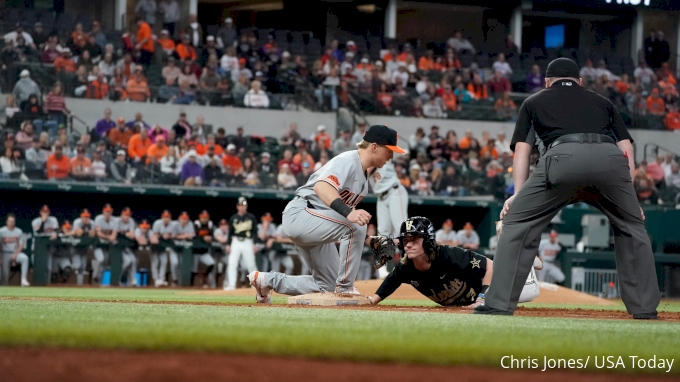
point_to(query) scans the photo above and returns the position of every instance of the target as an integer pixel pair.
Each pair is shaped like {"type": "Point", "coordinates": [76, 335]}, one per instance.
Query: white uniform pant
{"type": "Point", "coordinates": [21, 260]}
{"type": "Point", "coordinates": [101, 258]}
{"type": "Point", "coordinates": [159, 265]}
{"type": "Point", "coordinates": [549, 268]}
{"type": "Point", "coordinates": [530, 290]}
{"type": "Point", "coordinates": [392, 211]}
{"type": "Point", "coordinates": [240, 249]}
{"type": "Point", "coordinates": [79, 262]}
{"type": "Point", "coordinates": [129, 265]}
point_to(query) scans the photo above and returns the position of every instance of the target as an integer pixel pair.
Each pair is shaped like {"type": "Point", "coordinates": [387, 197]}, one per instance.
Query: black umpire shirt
{"type": "Point", "coordinates": [567, 108]}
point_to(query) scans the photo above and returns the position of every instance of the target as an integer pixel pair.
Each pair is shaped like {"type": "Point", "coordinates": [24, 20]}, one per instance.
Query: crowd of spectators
{"type": "Point", "coordinates": [658, 182]}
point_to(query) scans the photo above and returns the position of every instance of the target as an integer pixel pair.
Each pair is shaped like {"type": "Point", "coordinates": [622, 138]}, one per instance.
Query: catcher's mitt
{"type": "Point", "coordinates": [383, 248]}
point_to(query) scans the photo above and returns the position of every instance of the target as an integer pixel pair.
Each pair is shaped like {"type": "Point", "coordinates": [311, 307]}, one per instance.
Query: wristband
{"type": "Point", "coordinates": [340, 207]}
{"type": "Point", "coordinates": [484, 289]}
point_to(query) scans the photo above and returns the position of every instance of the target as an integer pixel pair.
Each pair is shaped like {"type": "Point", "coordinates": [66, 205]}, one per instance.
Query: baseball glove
{"type": "Point", "coordinates": [383, 248]}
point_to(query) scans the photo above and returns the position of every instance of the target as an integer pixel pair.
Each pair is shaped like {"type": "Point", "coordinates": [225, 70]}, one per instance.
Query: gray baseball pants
{"type": "Point", "coordinates": [314, 232]}
{"type": "Point", "coordinates": [597, 174]}
{"type": "Point", "coordinates": [21, 259]}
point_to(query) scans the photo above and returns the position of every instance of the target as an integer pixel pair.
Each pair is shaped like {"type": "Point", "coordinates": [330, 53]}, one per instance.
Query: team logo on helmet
{"type": "Point", "coordinates": [409, 224]}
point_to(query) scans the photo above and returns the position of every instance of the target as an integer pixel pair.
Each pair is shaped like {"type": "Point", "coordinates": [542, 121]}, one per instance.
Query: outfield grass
{"type": "Point", "coordinates": [365, 335]}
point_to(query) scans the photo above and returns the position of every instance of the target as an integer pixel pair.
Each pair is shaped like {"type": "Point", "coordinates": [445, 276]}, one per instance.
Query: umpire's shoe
{"type": "Point", "coordinates": [646, 316]}
{"type": "Point", "coordinates": [483, 309]}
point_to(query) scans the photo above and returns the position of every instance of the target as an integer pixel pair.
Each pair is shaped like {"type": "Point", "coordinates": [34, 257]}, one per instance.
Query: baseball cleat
{"type": "Point", "coordinates": [353, 291]}
{"type": "Point", "coordinates": [229, 288]}
{"type": "Point", "coordinates": [538, 263]}
{"type": "Point", "coordinates": [25, 283]}
{"type": "Point", "coordinates": [158, 283]}
{"type": "Point", "coordinates": [262, 296]}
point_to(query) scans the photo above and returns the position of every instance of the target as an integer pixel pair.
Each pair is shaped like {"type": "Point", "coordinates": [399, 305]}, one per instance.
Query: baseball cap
{"type": "Point", "coordinates": [285, 54]}
{"type": "Point", "coordinates": [25, 73]}
{"type": "Point", "coordinates": [228, 20]}
{"type": "Point", "coordinates": [166, 214]}
{"type": "Point", "coordinates": [562, 67]}
{"type": "Point", "coordinates": [144, 224]}
{"type": "Point", "coordinates": [107, 208]}
{"type": "Point", "coordinates": [231, 146]}
{"type": "Point", "coordinates": [204, 214]}
{"type": "Point", "coordinates": [242, 201]}
{"type": "Point", "coordinates": [126, 211]}
{"type": "Point", "coordinates": [85, 213]}
{"type": "Point", "coordinates": [321, 128]}
{"type": "Point", "coordinates": [165, 31]}
{"type": "Point", "coordinates": [184, 216]}
{"type": "Point", "coordinates": [267, 217]}
{"type": "Point", "coordinates": [66, 225]}
{"type": "Point", "coordinates": [266, 154]}
{"type": "Point", "coordinates": [383, 135]}
{"type": "Point", "coordinates": [364, 60]}
{"type": "Point", "coordinates": [350, 43]}
{"type": "Point", "coordinates": [120, 152]}
{"type": "Point", "coordinates": [468, 225]}
{"type": "Point", "coordinates": [349, 54]}
{"type": "Point", "coordinates": [448, 223]}
{"type": "Point", "coordinates": [210, 38]}
{"type": "Point", "coordinates": [45, 208]}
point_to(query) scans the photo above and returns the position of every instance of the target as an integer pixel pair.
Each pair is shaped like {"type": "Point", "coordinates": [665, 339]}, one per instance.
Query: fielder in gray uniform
{"type": "Point", "coordinates": [548, 250]}
{"type": "Point", "coordinates": [126, 238]}
{"type": "Point", "coordinates": [46, 225]}
{"type": "Point", "coordinates": [183, 232]}
{"type": "Point", "coordinates": [145, 238]}
{"type": "Point", "coordinates": [266, 232]}
{"type": "Point", "coordinates": [83, 229]}
{"type": "Point", "coordinates": [392, 205]}
{"type": "Point", "coordinates": [12, 247]}
{"type": "Point", "coordinates": [221, 236]}
{"type": "Point", "coordinates": [105, 226]}
{"type": "Point", "coordinates": [163, 229]}
{"type": "Point", "coordinates": [323, 212]}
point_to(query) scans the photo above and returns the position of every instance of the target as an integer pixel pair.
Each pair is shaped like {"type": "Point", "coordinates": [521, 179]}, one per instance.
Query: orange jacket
{"type": "Point", "coordinates": [202, 149]}
{"type": "Point", "coordinates": [186, 51]}
{"type": "Point", "coordinates": [656, 106]}
{"type": "Point", "coordinates": [493, 152]}
{"type": "Point", "coordinates": [79, 39]}
{"type": "Point", "coordinates": [137, 91]}
{"type": "Point", "coordinates": [166, 43]}
{"type": "Point", "coordinates": [480, 91]}
{"type": "Point", "coordinates": [138, 147]}
{"type": "Point", "coordinates": [97, 90]}
{"type": "Point", "coordinates": [120, 138]}
{"type": "Point", "coordinates": [79, 165]}
{"type": "Point", "coordinates": [156, 152]}
{"type": "Point", "coordinates": [144, 32]}
{"type": "Point", "coordinates": [672, 120]}
{"type": "Point", "coordinates": [426, 64]}
{"type": "Point", "coordinates": [64, 64]}
{"type": "Point", "coordinates": [450, 100]}
{"type": "Point", "coordinates": [58, 168]}
{"type": "Point", "coordinates": [324, 140]}
{"type": "Point", "coordinates": [233, 161]}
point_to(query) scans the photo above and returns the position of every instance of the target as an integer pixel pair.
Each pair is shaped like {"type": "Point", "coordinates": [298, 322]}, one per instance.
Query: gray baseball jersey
{"type": "Point", "coordinates": [443, 236]}
{"type": "Point", "coordinates": [10, 239]}
{"type": "Point", "coordinates": [78, 223]}
{"type": "Point", "coordinates": [106, 226]}
{"type": "Point", "coordinates": [218, 233]}
{"type": "Point", "coordinates": [161, 229]}
{"type": "Point", "coordinates": [124, 227]}
{"type": "Point", "coordinates": [187, 228]}
{"type": "Point", "coordinates": [383, 179]}
{"type": "Point", "coordinates": [271, 230]}
{"type": "Point", "coordinates": [139, 232]}
{"type": "Point", "coordinates": [39, 229]}
{"type": "Point", "coordinates": [548, 251]}
{"type": "Point", "coordinates": [345, 174]}
{"type": "Point", "coordinates": [464, 239]}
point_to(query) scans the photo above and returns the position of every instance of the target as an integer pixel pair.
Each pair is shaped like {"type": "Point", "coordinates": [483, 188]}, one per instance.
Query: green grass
{"type": "Point", "coordinates": [364, 335]}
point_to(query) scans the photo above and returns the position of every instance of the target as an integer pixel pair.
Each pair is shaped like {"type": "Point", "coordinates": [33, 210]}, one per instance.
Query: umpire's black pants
{"type": "Point", "coordinates": [597, 174]}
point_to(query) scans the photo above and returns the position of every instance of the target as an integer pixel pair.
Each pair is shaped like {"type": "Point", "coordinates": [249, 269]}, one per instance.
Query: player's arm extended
{"type": "Point", "coordinates": [388, 286]}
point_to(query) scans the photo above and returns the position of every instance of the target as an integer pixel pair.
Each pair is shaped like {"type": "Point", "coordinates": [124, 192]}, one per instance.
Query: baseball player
{"type": "Point", "coordinates": [323, 212]}
{"type": "Point", "coordinates": [184, 231]}
{"type": "Point", "coordinates": [449, 276]}
{"type": "Point", "coordinates": [83, 228]}
{"type": "Point", "coordinates": [392, 205]}
{"type": "Point", "coordinates": [145, 239]}
{"type": "Point", "coordinates": [204, 228]}
{"type": "Point", "coordinates": [163, 229]}
{"type": "Point", "coordinates": [126, 239]}
{"type": "Point", "coordinates": [61, 253]}
{"type": "Point", "coordinates": [467, 237]}
{"type": "Point", "coordinates": [548, 250]}
{"type": "Point", "coordinates": [12, 246]}
{"type": "Point", "coordinates": [47, 226]}
{"type": "Point", "coordinates": [221, 235]}
{"type": "Point", "coordinates": [106, 229]}
{"type": "Point", "coordinates": [446, 235]}
{"type": "Point", "coordinates": [243, 231]}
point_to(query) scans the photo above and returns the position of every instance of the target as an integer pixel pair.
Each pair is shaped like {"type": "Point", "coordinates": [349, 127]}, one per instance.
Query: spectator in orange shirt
{"type": "Point", "coordinates": [137, 89]}
{"type": "Point", "coordinates": [58, 165]}
{"type": "Point", "coordinates": [672, 120]}
{"type": "Point", "coordinates": [406, 50]}
{"type": "Point", "coordinates": [622, 85]}
{"type": "Point", "coordinates": [231, 162]}
{"type": "Point", "coordinates": [322, 138]}
{"type": "Point", "coordinates": [138, 145]}
{"type": "Point", "coordinates": [303, 155]}
{"type": "Point", "coordinates": [505, 107]}
{"type": "Point", "coordinates": [490, 148]}
{"type": "Point", "coordinates": [81, 166]}
{"type": "Point", "coordinates": [450, 99]}
{"type": "Point", "coordinates": [655, 104]}
{"type": "Point", "coordinates": [120, 136]}
{"type": "Point", "coordinates": [166, 43]}
{"type": "Point", "coordinates": [186, 51]}
{"type": "Point", "coordinates": [201, 149]}
{"type": "Point", "coordinates": [667, 87]}
{"type": "Point", "coordinates": [98, 89]}
{"type": "Point", "coordinates": [427, 61]}
{"type": "Point", "coordinates": [157, 151]}
{"type": "Point", "coordinates": [65, 63]}
{"type": "Point", "coordinates": [478, 87]}
{"type": "Point", "coordinates": [78, 37]}
{"type": "Point", "coordinates": [144, 42]}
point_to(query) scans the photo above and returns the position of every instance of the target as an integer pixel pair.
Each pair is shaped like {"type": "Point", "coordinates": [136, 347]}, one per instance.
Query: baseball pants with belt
{"type": "Point", "coordinates": [240, 248]}
{"type": "Point", "coordinates": [314, 232]}
{"type": "Point", "coordinates": [595, 173]}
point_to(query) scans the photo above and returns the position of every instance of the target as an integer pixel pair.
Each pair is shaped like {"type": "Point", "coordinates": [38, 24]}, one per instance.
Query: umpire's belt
{"type": "Point", "coordinates": [383, 195]}
{"type": "Point", "coordinates": [582, 138]}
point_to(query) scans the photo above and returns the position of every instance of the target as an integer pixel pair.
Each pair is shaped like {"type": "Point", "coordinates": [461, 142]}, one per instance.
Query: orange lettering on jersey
{"type": "Point", "coordinates": [334, 180]}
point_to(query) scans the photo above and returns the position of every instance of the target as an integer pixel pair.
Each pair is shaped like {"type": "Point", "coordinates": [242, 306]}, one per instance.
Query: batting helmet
{"type": "Point", "coordinates": [418, 226]}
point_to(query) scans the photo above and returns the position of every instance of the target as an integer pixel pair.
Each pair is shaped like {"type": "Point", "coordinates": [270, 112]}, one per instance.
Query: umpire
{"type": "Point", "coordinates": [589, 158]}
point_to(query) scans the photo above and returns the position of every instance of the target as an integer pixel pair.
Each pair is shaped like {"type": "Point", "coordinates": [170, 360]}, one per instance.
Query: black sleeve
{"type": "Point", "coordinates": [391, 283]}
{"type": "Point", "coordinates": [472, 264]}
{"type": "Point", "coordinates": [617, 126]}
{"type": "Point", "coordinates": [231, 226]}
{"type": "Point", "coordinates": [522, 126]}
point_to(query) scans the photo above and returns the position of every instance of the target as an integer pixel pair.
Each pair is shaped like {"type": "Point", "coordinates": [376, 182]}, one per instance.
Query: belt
{"type": "Point", "coordinates": [582, 138]}
{"type": "Point", "coordinates": [382, 195]}
{"type": "Point", "coordinates": [239, 238]}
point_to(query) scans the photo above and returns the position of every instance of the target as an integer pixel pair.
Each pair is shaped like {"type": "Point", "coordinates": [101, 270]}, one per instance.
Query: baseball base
{"type": "Point", "coordinates": [328, 299]}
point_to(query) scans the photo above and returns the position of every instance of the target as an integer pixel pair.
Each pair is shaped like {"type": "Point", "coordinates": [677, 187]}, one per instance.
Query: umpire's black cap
{"type": "Point", "coordinates": [562, 67]}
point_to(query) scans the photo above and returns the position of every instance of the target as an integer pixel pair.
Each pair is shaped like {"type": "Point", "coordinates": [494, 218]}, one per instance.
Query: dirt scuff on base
{"type": "Point", "coordinates": [47, 365]}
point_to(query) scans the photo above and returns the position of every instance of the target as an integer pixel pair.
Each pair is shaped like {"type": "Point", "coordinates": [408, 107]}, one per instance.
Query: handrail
{"type": "Point", "coordinates": [655, 150]}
